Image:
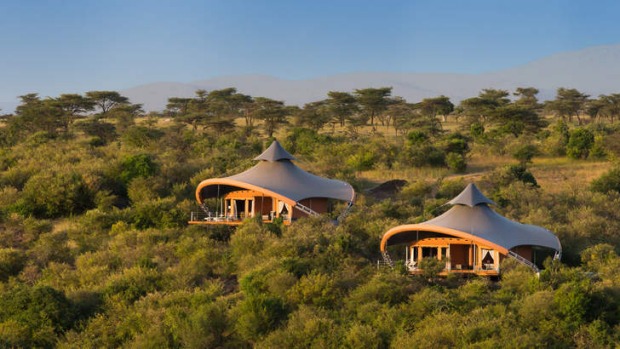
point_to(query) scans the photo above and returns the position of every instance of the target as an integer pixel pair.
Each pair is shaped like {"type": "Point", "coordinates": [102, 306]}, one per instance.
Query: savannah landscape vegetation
{"type": "Point", "coordinates": [96, 194]}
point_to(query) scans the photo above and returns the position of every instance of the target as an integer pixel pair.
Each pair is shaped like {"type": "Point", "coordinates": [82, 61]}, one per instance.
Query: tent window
{"type": "Point", "coordinates": [429, 252]}
{"type": "Point", "coordinates": [488, 262]}
{"type": "Point", "coordinates": [239, 208]}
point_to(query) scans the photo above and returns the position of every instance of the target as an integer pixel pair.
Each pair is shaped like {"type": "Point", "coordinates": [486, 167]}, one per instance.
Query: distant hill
{"type": "Point", "coordinates": [594, 70]}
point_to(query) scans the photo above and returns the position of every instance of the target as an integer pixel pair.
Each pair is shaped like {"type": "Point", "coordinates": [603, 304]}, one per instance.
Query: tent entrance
{"type": "Point", "coordinates": [461, 257]}
{"type": "Point", "coordinates": [240, 209]}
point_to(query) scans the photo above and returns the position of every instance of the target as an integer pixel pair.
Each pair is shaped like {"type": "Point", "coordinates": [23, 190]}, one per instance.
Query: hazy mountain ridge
{"type": "Point", "coordinates": [594, 70]}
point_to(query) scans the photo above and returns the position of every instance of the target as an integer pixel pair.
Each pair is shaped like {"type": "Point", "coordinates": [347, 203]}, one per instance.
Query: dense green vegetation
{"type": "Point", "coordinates": [95, 250]}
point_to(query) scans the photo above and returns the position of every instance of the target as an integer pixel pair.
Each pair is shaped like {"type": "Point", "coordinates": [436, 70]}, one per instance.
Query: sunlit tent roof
{"type": "Point", "coordinates": [277, 176]}
{"type": "Point", "coordinates": [275, 152]}
{"type": "Point", "coordinates": [472, 218]}
{"type": "Point", "coordinates": [471, 197]}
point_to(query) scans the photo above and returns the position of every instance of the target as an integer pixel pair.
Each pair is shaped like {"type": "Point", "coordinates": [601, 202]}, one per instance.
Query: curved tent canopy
{"type": "Point", "coordinates": [277, 176]}
{"type": "Point", "coordinates": [471, 218]}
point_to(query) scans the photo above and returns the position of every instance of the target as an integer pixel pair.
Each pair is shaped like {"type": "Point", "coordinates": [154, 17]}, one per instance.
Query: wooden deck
{"type": "Point", "coordinates": [235, 222]}
{"type": "Point", "coordinates": [199, 218]}
{"type": "Point", "coordinates": [445, 272]}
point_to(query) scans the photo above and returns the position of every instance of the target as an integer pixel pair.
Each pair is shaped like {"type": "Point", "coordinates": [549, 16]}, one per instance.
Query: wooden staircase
{"type": "Point", "coordinates": [524, 261]}
{"type": "Point", "coordinates": [305, 209]}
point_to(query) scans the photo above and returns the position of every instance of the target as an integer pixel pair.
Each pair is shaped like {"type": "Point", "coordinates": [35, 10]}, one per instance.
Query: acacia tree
{"type": "Point", "coordinates": [313, 115]}
{"type": "Point", "coordinates": [191, 111]}
{"type": "Point", "coordinates": [221, 109]}
{"type": "Point", "coordinates": [402, 115]}
{"type": "Point", "coordinates": [373, 101]}
{"type": "Point", "coordinates": [244, 104]}
{"type": "Point", "coordinates": [73, 105]}
{"type": "Point", "coordinates": [610, 105]}
{"type": "Point", "coordinates": [594, 108]}
{"type": "Point", "coordinates": [341, 105]}
{"type": "Point", "coordinates": [271, 112]}
{"type": "Point", "coordinates": [482, 108]}
{"type": "Point", "coordinates": [106, 100]}
{"type": "Point", "coordinates": [125, 115]}
{"type": "Point", "coordinates": [178, 106]}
{"type": "Point", "coordinates": [527, 98]}
{"type": "Point", "coordinates": [568, 103]}
{"type": "Point", "coordinates": [35, 114]}
{"type": "Point", "coordinates": [517, 119]}
{"type": "Point", "coordinates": [433, 107]}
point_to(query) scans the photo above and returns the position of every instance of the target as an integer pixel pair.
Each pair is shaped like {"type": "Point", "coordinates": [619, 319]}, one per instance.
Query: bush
{"type": "Point", "coordinates": [456, 143]}
{"type": "Point", "coordinates": [40, 312]}
{"type": "Point", "coordinates": [140, 136]}
{"type": "Point", "coordinates": [580, 143]}
{"type": "Point", "coordinates": [11, 262]}
{"type": "Point", "coordinates": [258, 315]}
{"type": "Point", "coordinates": [431, 267]}
{"type": "Point", "coordinates": [361, 161]}
{"type": "Point", "coordinates": [54, 194]}
{"type": "Point", "coordinates": [133, 283]}
{"type": "Point", "coordinates": [525, 153]}
{"type": "Point", "coordinates": [608, 182]}
{"type": "Point", "coordinates": [140, 165]}
{"type": "Point", "coordinates": [456, 162]}
{"type": "Point", "coordinates": [512, 173]}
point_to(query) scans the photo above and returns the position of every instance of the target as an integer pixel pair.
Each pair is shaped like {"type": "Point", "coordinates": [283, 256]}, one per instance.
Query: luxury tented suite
{"type": "Point", "coordinates": [274, 189]}
{"type": "Point", "coordinates": [471, 238]}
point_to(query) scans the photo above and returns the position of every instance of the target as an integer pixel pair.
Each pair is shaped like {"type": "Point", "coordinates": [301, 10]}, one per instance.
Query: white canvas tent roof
{"type": "Point", "coordinates": [276, 175]}
{"type": "Point", "coordinates": [472, 218]}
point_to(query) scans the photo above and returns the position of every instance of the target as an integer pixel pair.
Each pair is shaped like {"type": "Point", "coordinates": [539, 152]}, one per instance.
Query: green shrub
{"type": "Point", "coordinates": [259, 314]}
{"type": "Point", "coordinates": [456, 162]}
{"type": "Point", "coordinates": [525, 153]}
{"type": "Point", "coordinates": [41, 312]}
{"type": "Point", "coordinates": [54, 194]}
{"type": "Point", "coordinates": [580, 143]}
{"type": "Point", "coordinates": [607, 182]}
{"type": "Point", "coordinates": [140, 165]}
{"type": "Point", "coordinates": [133, 283]}
{"type": "Point", "coordinates": [140, 136]}
{"type": "Point", "coordinates": [11, 262]}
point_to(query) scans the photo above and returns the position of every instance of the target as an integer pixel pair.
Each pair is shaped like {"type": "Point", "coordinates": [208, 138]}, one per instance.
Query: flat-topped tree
{"type": "Point", "coordinates": [568, 103]}
{"type": "Point", "coordinates": [106, 100]}
{"type": "Point", "coordinates": [373, 101]}
{"type": "Point", "coordinates": [271, 112]}
{"type": "Point", "coordinates": [341, 105]}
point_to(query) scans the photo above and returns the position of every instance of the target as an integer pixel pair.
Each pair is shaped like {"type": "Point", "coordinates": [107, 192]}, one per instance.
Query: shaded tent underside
{"type": "Point", "coordinates": [405, 236]}
{"type": "Point", "coordinates": [218, 190]}
{"type": "Point", "coordinates": [221, 190]}
{"type": "Point", "coordinates": [409, 236]}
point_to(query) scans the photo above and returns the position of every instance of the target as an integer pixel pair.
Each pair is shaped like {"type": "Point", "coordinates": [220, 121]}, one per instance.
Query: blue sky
{"type": "Point", "coordinates": [54, 47]}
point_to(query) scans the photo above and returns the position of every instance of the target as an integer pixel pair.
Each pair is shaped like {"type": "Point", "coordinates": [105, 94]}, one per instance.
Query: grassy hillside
{"type": "Point", "coordinates": [95, 250]}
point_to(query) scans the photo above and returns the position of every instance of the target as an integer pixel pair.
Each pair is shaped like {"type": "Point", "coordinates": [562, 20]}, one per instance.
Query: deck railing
{"type": "Point", "coordinates": [524, 261]}
{"type": "Point", "coordinates": [212, 217]}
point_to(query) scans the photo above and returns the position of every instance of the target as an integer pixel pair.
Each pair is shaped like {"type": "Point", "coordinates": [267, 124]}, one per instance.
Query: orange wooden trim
{"type": "Point", "coordinates": [243, 194]}
{"type": "Point", "coordinates": [437, 229]}
{"type": "Point", "coordinates": [234, 183]}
